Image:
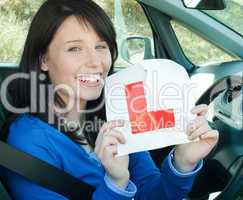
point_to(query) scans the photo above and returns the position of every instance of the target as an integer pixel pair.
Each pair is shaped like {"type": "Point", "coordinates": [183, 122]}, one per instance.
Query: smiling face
{"type": "Point", "coordinates": [78, 58]}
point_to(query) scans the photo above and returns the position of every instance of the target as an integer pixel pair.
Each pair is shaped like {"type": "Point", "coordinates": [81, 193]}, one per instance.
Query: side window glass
{"type": "Point", "coordinates": [231, 16]}
{"type": "Point", "coordinates": [134, 34]}
{"type": "Point", "coordinates": [197, 49]}
{"type": "Point", "coordinates": [15, 18]}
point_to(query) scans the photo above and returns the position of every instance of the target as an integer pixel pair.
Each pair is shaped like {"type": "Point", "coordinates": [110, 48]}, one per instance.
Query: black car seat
{"type": "Point", "coordinates": [3, 116]}
{"type": "Point", "coordinates": [3, 111]}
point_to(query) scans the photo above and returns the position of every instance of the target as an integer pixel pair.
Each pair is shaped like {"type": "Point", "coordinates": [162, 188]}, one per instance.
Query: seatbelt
{"type": "Point", "coordinates": [3, 193]}
{"type": "Point", "coordinates": [44, 174]}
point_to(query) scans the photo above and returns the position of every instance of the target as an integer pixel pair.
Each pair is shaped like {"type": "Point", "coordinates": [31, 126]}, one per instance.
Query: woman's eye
{"type": "Point", "coordinates": [74, 49]}
{"type": "Point", "coordinates": [101, 47]}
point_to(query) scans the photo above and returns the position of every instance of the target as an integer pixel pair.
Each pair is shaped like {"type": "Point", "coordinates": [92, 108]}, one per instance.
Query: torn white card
{"type": "Point", "coordinates": [154, 97]}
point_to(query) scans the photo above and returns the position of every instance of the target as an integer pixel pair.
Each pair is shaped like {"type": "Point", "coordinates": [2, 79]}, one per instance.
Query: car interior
{"type": "Point", "coordinates": [222, 90]}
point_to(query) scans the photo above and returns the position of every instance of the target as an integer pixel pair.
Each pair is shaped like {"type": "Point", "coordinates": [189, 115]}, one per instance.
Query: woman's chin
{"type": "Point", "coordinates": [90, 96]}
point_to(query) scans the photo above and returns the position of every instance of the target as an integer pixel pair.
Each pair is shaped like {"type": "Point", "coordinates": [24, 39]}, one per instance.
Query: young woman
{"type": "Point", "coordinates": [70, 49]}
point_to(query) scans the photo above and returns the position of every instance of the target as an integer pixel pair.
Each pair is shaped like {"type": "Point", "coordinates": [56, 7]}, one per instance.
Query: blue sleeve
{"type": "Point", "coordinates": [110, 191]}
{"type": "Point", "coordinates": [31, 141]}
{"type": "Point", "coordinates": [180, 174]}
{"type": "Point", "coordinates": [34, 141]}
{"type": "Point", "coordinates": [129, 190]}
{"type": "Point", "coordinates": [147, 182]}
{"type": "Point", "coordinates": [154, 184]}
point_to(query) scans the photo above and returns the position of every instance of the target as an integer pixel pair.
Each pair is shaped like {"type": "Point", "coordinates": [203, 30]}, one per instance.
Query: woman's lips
{"type": "Point", "coordinates": [91, 80]}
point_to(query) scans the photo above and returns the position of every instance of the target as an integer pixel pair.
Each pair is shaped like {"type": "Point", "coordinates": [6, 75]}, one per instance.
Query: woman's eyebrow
{"type": "Point", "coordinates": [102, 41]}
{"type": "Point", "coordinates": [81, 41]}
{"type": "Point", "coordinates": [72, 41]}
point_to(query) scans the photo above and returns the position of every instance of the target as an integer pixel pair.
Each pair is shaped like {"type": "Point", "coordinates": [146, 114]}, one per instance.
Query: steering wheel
{"type": "Point", "coordinates": [226, 97]}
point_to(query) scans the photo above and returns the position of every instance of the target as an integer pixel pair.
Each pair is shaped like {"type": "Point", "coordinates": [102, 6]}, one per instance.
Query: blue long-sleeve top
{"type": "Point", "coordinates": [38, 138]}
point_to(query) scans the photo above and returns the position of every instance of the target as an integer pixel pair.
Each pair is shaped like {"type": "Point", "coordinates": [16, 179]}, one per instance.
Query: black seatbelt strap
{"type": "Point", "coordinates": [43, 173]}
{"type": "Point", "coordinates": [3, 193]}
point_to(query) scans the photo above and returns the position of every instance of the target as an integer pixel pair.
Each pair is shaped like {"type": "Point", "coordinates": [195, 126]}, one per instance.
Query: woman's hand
{"type": "Point", "coordinates": [106, 150]}
{"type": "Point", "coordinates": [186, 156]}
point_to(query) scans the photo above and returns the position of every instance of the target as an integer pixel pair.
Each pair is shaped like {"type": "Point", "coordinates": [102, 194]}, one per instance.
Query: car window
{"type": "Point", "coordinates": [231, 16]}
{"type": "Point", "coordinates": [15, 18]}
{"type": "Point", "coordinates": [197, 49]}
{"type": "Point", "coordinates": [129, 20]}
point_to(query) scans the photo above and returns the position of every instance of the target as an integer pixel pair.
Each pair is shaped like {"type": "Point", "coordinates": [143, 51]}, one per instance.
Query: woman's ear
{"type": "Point", "coordinates": [44, 66]}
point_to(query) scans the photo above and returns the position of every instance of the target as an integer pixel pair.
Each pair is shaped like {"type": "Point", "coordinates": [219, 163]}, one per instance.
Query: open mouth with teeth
{"type": "Point", "coordinates": [91, 80]}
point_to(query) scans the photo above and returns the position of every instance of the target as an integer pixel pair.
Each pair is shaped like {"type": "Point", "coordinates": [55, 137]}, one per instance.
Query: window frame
{"type": "Point", "coordinates": [221, 22]}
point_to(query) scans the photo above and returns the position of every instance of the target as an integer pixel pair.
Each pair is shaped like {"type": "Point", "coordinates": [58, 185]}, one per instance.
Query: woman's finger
{"type": "Point", "coordinates": [213, 134]}
{"type": "Point", "coordinates": [107, 141]}
{"type": "Point", "coordinates": [195, 124]}
{"type": "Point", "coordinates": [110, 151]}
{"type": "Point", "coordinates": [211, 137]}
{"type": "Point", "coordinates": [108, 155]}
{"type": "Point", "coordinates": [199, 132]}
{"type": "Point", "coordinates": [113, 137]}
{"type": "Point", "coordinates": [117, 134]}
{"type": "Point", "coordinates": [112, 124]}
{"type": "Point", "coordinates": [114, 133]}
{"type": "Point", "coordinates": [200, 110]}
{"type": "Point", "coordinates": [108, 126]}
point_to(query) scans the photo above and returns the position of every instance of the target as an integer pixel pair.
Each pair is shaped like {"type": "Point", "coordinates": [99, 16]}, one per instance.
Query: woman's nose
{"type": "Point", "coordinates": [93, 59]}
